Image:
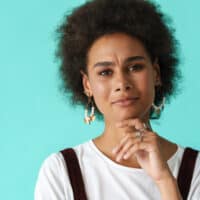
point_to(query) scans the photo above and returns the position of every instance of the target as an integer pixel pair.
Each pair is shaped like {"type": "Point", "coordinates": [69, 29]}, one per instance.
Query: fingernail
{"type": "Point", "coordinates": [118, 159]}
{"type": "Point", "coordinates": [125, 156]}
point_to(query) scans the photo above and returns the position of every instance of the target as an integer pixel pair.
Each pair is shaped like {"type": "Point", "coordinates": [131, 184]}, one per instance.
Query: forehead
{"type": "Point", "coordinates": [116, 45]}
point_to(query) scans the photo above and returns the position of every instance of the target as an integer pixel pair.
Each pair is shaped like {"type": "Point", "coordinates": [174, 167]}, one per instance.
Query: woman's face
{"type": "Point", "coordinates": [121, 77]}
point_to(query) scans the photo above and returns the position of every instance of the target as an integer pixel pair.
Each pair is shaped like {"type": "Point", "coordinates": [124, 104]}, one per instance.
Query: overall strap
{"type": "Point", "coordinates": [75, 175]}
{"type": "Point", "coordinates": [186, 171]}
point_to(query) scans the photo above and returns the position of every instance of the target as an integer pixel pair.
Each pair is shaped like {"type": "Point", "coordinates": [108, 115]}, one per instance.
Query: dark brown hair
{"type": "Point", "coordinates": [138, 18]}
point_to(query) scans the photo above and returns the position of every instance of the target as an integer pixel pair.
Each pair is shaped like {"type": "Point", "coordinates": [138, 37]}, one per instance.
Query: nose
{"type": "Point", "coordinates": [122, 83]}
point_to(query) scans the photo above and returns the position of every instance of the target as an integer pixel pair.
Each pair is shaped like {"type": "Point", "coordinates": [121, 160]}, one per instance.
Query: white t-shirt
{"type": "Point", "coordinates": [105, 179]}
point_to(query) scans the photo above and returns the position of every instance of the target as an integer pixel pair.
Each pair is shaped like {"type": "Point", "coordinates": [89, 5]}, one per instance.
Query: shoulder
{"type": "Point", "coordinates": [178, 159]}
{"type": "Point", "coordinates": [188, 154]}
{"type": "Point", "coordinates": [82, 151]}
{"type": "Point", "coordinates": [56, 161]}
{"type": "Point", "coordinates": [196, 174]}
{"type": "Point", "coordinates": [195, 189]}
{"type": "Point", "coordinates": [53, 179]}
{"type": "Point", "coordinates": [191, 154]}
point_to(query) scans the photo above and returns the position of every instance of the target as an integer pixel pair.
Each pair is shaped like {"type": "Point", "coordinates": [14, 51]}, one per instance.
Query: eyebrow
{"type": "Point", "coordinates": [127, 60]}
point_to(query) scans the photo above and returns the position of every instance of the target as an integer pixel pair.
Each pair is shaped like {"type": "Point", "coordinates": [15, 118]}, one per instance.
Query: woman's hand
{"type": "Point", "coordinates": [145, 146]}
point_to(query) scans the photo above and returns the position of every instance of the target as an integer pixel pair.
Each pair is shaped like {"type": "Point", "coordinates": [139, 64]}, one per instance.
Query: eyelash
{"type": "Point", "coordinates": [136, 67]}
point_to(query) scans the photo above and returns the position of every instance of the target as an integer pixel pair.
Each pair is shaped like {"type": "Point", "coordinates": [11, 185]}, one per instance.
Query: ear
{"type": "Point", "coordinates": [157, 76]}
{"type": "Point", "coordinates": [86, 84]}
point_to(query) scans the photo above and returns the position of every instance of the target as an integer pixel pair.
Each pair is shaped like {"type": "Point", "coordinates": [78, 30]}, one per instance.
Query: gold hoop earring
{"type": "Point", "coordinates": [91, 117]}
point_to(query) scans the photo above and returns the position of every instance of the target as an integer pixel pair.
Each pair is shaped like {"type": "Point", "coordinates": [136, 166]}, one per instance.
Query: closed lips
{"type": "Point", "coordinates": [125, 99]}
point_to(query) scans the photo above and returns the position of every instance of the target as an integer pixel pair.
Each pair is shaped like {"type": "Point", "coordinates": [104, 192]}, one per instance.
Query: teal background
{"type": "Point", "coordinates": [36, 120]}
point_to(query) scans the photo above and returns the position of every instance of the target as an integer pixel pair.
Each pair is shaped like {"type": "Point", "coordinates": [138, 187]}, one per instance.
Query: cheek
{"type": "Point", "coordinates": [100, 94]}
{"type": "Point", "coordinates": [147, 87]}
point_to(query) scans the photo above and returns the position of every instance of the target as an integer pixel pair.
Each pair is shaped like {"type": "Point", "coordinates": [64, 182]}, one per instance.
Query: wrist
{"type": "Point", "coordinates": [168, 188]}
{"type": "Point", "coordinates": [168, 180]}
{"type": "Point", "coordinates": [165, 177]}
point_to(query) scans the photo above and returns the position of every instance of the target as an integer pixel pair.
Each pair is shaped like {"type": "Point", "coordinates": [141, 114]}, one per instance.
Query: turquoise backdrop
{"type": "Point", "coordinates": [36, 120]}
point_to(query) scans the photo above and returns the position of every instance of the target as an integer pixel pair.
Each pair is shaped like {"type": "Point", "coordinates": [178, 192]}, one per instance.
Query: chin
{"type": "Point", "coordinates": [129, 115]}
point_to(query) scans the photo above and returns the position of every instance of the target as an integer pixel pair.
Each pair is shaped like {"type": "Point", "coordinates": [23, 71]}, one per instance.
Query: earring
{"type": "Point", "coordinates": [159, 108]}
{"type": "Point", "coordinates": [91, 117]}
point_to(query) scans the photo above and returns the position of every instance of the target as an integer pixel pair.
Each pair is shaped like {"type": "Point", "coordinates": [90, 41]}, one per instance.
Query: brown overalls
{"type": "Point", "coordinates": [76, 179]}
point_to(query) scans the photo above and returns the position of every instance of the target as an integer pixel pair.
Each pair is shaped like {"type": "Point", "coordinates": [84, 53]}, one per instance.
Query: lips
{"type": "Point", "coordinates": [126, 101]}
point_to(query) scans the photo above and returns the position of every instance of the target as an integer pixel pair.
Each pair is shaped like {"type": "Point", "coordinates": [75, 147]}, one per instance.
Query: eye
{"type": "Point", "coordinates": [135, 67]}
{"type": "Point", "coordinates": [105, 72]}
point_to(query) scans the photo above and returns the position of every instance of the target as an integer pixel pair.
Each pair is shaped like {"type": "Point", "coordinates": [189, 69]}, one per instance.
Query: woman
{"type": "Point", "coordinates": [119, 59]}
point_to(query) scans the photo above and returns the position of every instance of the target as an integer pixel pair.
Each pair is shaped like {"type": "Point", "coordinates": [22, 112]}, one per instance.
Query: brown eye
{"type": "Point", "coordinates": [105, 73]}
{"type": "Point", "coordinates": [136, 67]}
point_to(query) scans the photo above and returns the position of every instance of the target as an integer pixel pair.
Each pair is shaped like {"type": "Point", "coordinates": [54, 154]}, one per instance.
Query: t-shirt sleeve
{"type": "Point", "coordinates": [53, 181]}
{"type": "Point", "coordinates": [194, 193]}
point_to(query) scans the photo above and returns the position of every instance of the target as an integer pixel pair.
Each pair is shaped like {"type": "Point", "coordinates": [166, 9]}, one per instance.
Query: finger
{"type": "Point", "coordinates": [137, 147]}
{"type": "Point", "coordinates": [145, 146]}
{"type": "Point", "coordinates": [148, 143]}
{"type": "Point", "coordinates": [128, 122]}
{"type": "Point", "coordinates": [126, 147]}
{"type": "Point", "coordinates": [136, 123]}
{"type": "Point", "coordinates": [123, 151]}
{"type": "Point", "coordinates": [122, 142]}
{"type": "Point", "coordinates": [150, 136]}
{"type": "Point", "coordinates": [126, 137]}
{"type": "Point", "coordinates": [134, 149]}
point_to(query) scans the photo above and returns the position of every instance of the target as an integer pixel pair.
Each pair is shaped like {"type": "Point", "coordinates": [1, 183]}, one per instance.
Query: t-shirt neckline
{"type": "Point", "coordinates": [114, 164]}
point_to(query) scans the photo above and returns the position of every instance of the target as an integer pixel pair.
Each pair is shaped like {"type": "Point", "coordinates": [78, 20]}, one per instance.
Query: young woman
{"type": "Point", "coordinates": [119, 59]}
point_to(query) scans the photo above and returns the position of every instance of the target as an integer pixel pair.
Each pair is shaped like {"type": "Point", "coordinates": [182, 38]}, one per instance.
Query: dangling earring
{"type": "Point", "coordinates": [159, 108]}
{"type": "Point", "coordinates": [91, 117]}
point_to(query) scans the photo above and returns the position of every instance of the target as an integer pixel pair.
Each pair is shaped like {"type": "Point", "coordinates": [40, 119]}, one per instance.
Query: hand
{"type": "Point", "coordinates": [146, 148]}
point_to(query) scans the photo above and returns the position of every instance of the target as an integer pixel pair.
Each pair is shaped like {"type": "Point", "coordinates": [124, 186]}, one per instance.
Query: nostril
{"type": "Point", "coordinates": [127, 87]}
{"type": "Point", "coordinates": [118, 89]}
{"type": "Point", "coordinates": [124, 87]}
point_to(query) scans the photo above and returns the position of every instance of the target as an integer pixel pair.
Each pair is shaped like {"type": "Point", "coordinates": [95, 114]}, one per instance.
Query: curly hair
{"type": "Point", "coordinates": [140, 19]}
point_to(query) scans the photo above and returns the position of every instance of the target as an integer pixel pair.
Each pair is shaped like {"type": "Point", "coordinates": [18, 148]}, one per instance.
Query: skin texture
{"type": "Point", "coordinates": [111, 76]}
{"type": "Point", "coordinates": [119, 79]}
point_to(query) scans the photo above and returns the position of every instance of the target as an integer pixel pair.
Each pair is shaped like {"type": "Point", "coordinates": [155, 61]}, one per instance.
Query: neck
{"type": "Point", "coordinates": [111, 137]}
